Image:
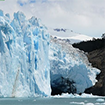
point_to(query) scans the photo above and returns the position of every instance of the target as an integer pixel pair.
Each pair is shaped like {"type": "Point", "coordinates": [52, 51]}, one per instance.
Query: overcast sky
{"type": "Point", "coordinates": [81, 16]}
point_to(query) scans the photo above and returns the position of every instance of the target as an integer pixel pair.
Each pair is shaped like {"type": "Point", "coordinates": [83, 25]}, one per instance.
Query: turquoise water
{"type": "Point", "coordinates": [52, 101]}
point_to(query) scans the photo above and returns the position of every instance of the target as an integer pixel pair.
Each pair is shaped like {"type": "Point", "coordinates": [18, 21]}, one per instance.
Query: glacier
{"type": "Point", "coordinates": [70, 69]}
{"type": "Point", "coordinates": [33, 63]}
{"type": "Point", "coordinates": [24, 62]}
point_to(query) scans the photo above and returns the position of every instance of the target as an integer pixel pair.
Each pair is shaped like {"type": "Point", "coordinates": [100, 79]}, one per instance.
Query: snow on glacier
{"type": "Point", "coordinates": [72, 64]}
{"type": "Point", "coordinates": [24, 62]}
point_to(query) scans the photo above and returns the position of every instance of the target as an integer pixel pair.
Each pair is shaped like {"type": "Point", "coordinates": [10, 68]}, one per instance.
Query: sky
{"type": "Point", "coordinates": [82, 16]}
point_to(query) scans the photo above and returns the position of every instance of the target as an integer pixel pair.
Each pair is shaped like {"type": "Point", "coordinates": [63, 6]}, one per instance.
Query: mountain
{"type": "Point", "coordinates": [91, 45]}
{"type": "Point", "coordinates": [69, 34]}
{"type": "Point", "coordinates": [96, 55]}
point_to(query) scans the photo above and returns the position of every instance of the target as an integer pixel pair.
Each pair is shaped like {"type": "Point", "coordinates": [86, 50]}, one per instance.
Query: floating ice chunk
{"type": "Point", "coordinates": [89, 104]}
{"type": "Point", "coordinates": [100, 100]}
{"type": "Point", "coordinates": [77, 103]}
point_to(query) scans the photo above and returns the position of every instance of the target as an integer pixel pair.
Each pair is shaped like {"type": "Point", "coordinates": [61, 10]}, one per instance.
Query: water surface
{"type": "Point", "coordinates": [52, 101]}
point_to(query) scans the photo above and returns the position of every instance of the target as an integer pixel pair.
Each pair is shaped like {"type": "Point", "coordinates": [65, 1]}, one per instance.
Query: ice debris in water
{"type": "Point", "coordinates": [83, 95]}
{"type": "Point", "coordinates": [100, 100]}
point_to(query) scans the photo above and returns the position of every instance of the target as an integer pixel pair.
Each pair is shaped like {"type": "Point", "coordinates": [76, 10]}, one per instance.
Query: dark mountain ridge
{"type": "Point", "coordinates": [91, 45]}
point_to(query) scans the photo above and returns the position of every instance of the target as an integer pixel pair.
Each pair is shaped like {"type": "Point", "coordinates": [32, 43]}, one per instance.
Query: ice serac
{"type": "Point", "coordinates": [24, 63]}
{"type": "Point", "coordinates": [70, 69]}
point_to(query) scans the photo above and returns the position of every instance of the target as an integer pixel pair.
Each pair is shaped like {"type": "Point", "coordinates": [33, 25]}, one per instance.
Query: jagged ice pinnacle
{"type": "Point", "coordinates": [24, 63]}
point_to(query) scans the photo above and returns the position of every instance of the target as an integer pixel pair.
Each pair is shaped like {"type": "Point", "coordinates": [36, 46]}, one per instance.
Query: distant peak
{"type": "Point", "coordinates": [58, 29]}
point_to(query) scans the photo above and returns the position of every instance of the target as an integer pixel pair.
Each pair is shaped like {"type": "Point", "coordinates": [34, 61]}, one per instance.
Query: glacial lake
{"type": "Point", "coordinates": [52, 101]}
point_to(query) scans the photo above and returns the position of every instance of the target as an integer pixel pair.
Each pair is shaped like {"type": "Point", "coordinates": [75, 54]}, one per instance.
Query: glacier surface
{"type": "Point", "coordinates": [70, 68]}
{"type": "Point", "coordinates": [26, 67]}
{"type": "Point", "coordinates": [24, 62]}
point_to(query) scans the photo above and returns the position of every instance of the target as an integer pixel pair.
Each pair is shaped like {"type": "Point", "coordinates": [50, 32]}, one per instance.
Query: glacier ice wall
{"type": "Point", "coordinates": [24, 62]}
{"type": "Point", "coordinates": [72, 65]}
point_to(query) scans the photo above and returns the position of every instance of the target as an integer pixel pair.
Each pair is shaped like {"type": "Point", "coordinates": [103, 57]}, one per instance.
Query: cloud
{"type": "Point", "coordinates": [25, 2]}
{"type": "Point", "coordinates": [82, 16]}
{"type": "Point", "coordinates": [21, 2]}
{"type": "Point", "coordinates": [9, 6]}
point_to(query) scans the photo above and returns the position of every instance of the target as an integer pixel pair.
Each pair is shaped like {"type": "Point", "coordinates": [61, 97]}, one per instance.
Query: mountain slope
{"type": "Point", "coordinates": [69, 34]}
{"type": "Point", "coordinates": [96, 56]}
{"type": "Point", "coordinates": [91, 45]}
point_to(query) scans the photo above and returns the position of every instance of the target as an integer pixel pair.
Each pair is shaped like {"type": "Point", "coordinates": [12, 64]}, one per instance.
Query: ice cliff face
{"type": "Point", "coordinates": [70, 70]}
{"type": "Point", "coordinates": [24, 62]}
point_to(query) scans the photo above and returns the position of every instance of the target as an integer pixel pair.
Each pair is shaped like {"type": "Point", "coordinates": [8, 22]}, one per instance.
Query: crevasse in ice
{"type": "Point", "coordinates": [24, 62]}
{"type": "Point", "coordinates": [70, 68]}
